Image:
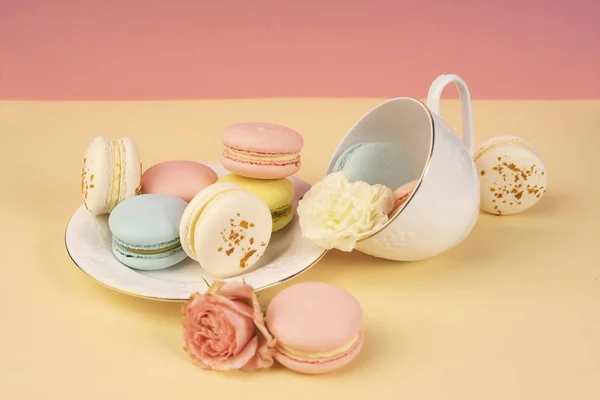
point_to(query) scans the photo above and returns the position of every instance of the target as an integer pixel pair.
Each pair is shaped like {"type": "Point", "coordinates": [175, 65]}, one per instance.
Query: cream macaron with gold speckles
{"type": "Point", "coordinates": [111, 173]}
{"type": "Point", "coordinates": [226, 229]}
{"type": "Point", "coordinates": [513, 177]}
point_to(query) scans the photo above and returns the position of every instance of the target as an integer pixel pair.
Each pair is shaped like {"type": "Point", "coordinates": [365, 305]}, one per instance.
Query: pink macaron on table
{"type": "Point", "coordinates": [318, 327]}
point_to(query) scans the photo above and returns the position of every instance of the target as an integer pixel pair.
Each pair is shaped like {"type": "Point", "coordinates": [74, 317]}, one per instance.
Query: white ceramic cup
{"type": "Point", "coordinates": [444, 207]}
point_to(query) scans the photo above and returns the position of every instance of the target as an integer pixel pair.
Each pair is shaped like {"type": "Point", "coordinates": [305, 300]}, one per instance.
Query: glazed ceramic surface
{"type": "Point", "coordinates": [443, 209]}
{"type": "Point", "coordinates": [88, 241]}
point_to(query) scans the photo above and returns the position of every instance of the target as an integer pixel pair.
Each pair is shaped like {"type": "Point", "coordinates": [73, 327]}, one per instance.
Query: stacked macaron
{"type": "Point", "coordinates": [179, 209]}
{"type": "Point", "coordinates": [261, 157]}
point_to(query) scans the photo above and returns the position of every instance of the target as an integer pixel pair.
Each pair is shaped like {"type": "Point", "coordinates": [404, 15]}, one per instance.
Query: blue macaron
{"type": "Point", "coordinates": [145, 231]}
{"type": "Point", "coordinates": [376, 163]}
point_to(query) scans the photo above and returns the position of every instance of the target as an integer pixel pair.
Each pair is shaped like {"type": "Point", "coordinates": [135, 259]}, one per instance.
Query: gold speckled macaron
{"type": "Point", "coordinates": [111, 173]}
{"type": "Point", "coordinates": [512, 175]}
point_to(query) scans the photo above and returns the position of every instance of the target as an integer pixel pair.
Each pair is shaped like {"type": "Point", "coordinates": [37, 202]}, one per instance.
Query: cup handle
{"type": "Point", "coordinates": [433, 103]}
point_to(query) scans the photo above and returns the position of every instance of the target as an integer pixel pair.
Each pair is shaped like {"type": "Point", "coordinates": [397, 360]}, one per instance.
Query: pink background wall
{"type": "Point", "coordinates": [91, 49]}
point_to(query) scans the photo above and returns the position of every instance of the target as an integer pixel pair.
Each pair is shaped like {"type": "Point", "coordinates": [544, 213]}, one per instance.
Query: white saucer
{"type": "Point", "coordinates": [88, 242]}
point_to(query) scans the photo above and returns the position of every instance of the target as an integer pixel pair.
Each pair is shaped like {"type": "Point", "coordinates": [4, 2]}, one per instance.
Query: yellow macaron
{"type": "Point", "coordinates": [277, 194]}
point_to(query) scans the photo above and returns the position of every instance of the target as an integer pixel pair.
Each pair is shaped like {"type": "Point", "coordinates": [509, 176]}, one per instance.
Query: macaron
{"type": "Point", "coordinates": [512, 175]}
{"type": "Point", "coordinates": [376, 163]}
{"type": "Point", "coordinates": [261, 150]}
{"type": "Point", "coordinates": [184, 179]}
{"type": "Point", "coordinates": [403, 193]}
{"type": "Point", "coordinates": [318, 327]}
{"type": "Point", "coordinates": [225, 229]}
{"type": "Point", "coordinates": [277, 194]}
{"type": "Point", "coordinates": [145, 231]}
{"type": "Point", "coordinates": [111, 173]}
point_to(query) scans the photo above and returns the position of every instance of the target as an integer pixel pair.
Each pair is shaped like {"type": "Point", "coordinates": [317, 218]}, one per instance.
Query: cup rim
{"type": "Point", "coordinates": [400, 209]}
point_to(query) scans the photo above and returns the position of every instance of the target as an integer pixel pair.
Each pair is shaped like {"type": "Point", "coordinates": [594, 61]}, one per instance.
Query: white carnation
{"type": "Point", "coordinates": [336, 213]}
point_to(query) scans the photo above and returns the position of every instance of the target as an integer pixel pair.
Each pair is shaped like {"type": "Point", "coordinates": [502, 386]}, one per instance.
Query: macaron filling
{"type": "Point", "coordinates": [281, 212]}
{"type": "Point", "coordinates": [321, 357]}
{"type": "Point", "coordinates": [115, 183]}
{"type": "Point", "coordinates": [161, 250]}
{"type": "Point", "coordinates": [321, 354]}
{"type": "Point", "coordinates": [253, 157]}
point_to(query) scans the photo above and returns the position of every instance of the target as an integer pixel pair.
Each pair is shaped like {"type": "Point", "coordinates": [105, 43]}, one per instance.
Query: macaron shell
{"type": "Point", "coordinates": [195, 208]}
{"type": "Point", "coordinates": [101, 165]}
{"type": "Point", "coordinates": [149, 262]}
{"type": "Point", "coordinates": [96, 175]}
{"type": "Point", "coordinates": [232, 233]}
{"type": "Point", "coordinates": [321, 366]}
{"type": "Point", "coordinates": [314, 317]}
{"type": "Point", "coordinates": [505, 140]}
{"type": "Point", "coordinates": [260, 169]}
{"type": "Point", "coordinates": [403, 193]}
{"type": "Point", "coordinates": [184, 179]}
{"type": "Point", "coordinates": [276, 193]}
{"type": "Point", "coordinates": [131, 169]}
{"type": "Point", "coordinates": [377, 163]}
{"type": "Point", "coordinates": [147, 219]}
{"type": "Point", "coordinates": [262, 138]}
{"type": "Point", "coordinates": [282, 222]}
{"type": "Point", "coordinates": [513, 178]}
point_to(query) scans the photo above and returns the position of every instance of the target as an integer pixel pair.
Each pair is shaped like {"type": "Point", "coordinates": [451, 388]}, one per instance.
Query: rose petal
{"type": "Point", "coordinates": [243, 328]}
{"type": "Point", "coordinates": [266, 348]}
{"type": "Point", "coordinates": [264, 355]}
{"type": "Point", "coordinates": [225, 329]}
{"type": "Point", "coordinates": [236, 290]}
{"type": "Point", "coordinates": [234, 305]}
{"type": "Point", "coordinates": [259, 319]}
{"type": "Point", "coordinates": [241, 359]}
{"type": "Point", "coordinates": [196, 302]}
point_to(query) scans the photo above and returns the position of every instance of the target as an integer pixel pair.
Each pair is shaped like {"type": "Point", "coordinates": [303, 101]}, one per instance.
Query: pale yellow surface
{"type": "Point", "coordinates": [511, 314]}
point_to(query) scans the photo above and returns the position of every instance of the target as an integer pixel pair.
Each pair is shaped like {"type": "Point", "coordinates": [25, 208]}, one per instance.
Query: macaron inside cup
{"type": "Point", "coordinates": [512, 175]}
{"type": "Point", "coordinates": [318, 327]}
{"type": "Point", "coordinates": [145, 231]}
{"type": "Point", "coordinates": [402, 194]}
{"type": "Point", "coordinates": [277, 194]}
{"type": "Point", "coordinates": [184, 179]}
{"type": "Point", "coordinates": [261, 150]}
{"type": "Point", "coordinates": [376, 163]}
{"type": "Point", "coordinates": [111, 173]}
{"type": "Point", "coordinates": [226, 229]}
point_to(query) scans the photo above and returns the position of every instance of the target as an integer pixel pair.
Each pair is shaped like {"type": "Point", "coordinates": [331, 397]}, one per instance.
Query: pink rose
{"type": "Point", "coordinates": [224, 329]}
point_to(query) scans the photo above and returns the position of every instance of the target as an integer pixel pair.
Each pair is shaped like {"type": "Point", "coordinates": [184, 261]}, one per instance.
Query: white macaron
{"type": "Point", "coordinates": [226, 229]}
{"type": "Point", "coordinates": [111, 173]}
{"type": "Point", "coordinates": [513, 177]}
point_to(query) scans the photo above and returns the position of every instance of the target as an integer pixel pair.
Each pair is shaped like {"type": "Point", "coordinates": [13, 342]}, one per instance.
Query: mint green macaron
{"type": "Point", "coordinates": [376, 163]}
{"type": "Point", "coordinates": [145, 231]}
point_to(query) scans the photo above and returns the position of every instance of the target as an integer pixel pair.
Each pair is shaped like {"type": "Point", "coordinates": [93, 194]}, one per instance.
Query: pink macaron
{"type": "Point", "coordinates": [183, 179]}
{"type": "Point", "coordinates": [318, 327]}
{"type": "Point", "coordinates": [403, 193]}
{"type": "Point", "coordinates": [261, 150]}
